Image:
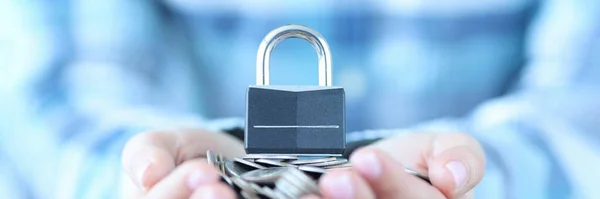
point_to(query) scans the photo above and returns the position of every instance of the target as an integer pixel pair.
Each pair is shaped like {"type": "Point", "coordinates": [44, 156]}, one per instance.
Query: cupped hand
{"type": "Point", "coordinates": [171, 164]}
{"type": "Point", "coordinates": [455, 164]}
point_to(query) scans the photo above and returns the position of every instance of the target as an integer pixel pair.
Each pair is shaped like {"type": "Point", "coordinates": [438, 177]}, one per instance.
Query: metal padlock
{"type": "Point", "coordinates": [299, 120]}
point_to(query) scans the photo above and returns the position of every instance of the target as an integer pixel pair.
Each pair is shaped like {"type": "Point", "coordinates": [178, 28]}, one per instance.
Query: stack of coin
{"type": "Point", "coordinates": [274, 175]}
{"type": "Point", "coordinates": [277, 176]}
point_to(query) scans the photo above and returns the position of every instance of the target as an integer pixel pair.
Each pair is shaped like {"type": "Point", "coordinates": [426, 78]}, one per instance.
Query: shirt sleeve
{"type": "Point", "coordinates": [540, 140]}
{"type": "Point", "coordinates": [112, 86]}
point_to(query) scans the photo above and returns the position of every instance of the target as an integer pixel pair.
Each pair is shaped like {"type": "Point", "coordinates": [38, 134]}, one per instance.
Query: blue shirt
{"type": "Point", "coordinates": [81, 77]}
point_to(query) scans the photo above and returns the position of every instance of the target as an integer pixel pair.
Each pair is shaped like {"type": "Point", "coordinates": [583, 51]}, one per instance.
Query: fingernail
{"type": "Point", "coordinates": [141, 172]}
{"type": "Point", "coordinates": [340, 187]}
{"type": "Point", "coordinates": [367, 164]}
{"type": "Point", "coordinates": [459, 172]}
{"type": "Point", "coordinates": [198, 178]}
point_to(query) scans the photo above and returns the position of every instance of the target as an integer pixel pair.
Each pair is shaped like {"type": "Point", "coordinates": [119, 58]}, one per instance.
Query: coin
{"type": "Point", "coordinates": [264, 176]}
{"type": "Point", "coordinates": [256, 187]}
{"type": "Point", "coordinates": [286, 189]}
{"type": "Point", "coordinates": [298, 183]}
{"type": "Point", "coordinates": [226, 179]}
{"type": "Point", "coordinates": [266, 191]}
{"type": "Point", "coordinates": [294, 183]}
{"type": "Point", "coordinates": [234, 168]}
{"type": "Point", "coordinates": [274, 176]}
{"type": "Point", "coordinates": [274, 163]}
{"type": "Point", "coordinates": [312, 161]}
{"type": "Point", "coordinates": [249, 195]}
{"type": "Point", "coordinates": [339, 166]}
{"type": "Point", "coordinates": [211, 157]}
{"type": "Point", "coordinates": [329, 163]}
{"type": "Point", "coordinates": [221, 162]}
{"type": "Point", "coordinates": [270, 156]}
{"type": "Point", "coordinates": [312, 169]}
{"type": "Point", "coordinates": [309, 184]}
{"type": "Point", "coordinates": [252, 164]}
{"type": "Point", "coordinates": [243, 185]}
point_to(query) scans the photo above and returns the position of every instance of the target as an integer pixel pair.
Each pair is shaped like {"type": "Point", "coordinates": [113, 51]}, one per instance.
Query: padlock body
{"type": "Point", "coordinates": [295, 120]}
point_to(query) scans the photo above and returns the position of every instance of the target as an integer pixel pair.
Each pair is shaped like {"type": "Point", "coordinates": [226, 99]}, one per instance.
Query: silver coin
{"type": "Point", "coordinates": [274, 163]}
{"type": "Point", "coordinates": [298, 183]}
{"type": "Point", "coordinates": [221, 161]}
{"type": "Point", "coordinates": [249, 195]}
{"type": "Point", "coordinates": [307, 182]}
{"type": "Point", "coordinates": [211, 157]}
{"type": "Point", "coordinates": [339, 166]}
{"type": "Point", "coordinates": [257, 188]}
{"type": "Point", "coordinates": [266, 176]}
{"type": "Point", "coordinates": [312, 169]}
{"type": "Point", "coordinates": [243, 185]}
{"type": "Point", "coordinates": [252, 164]}
{"type": "Point", "coordinates": [312, 161]}
{"type": "Point", "coordinates": [226, 179]}
{"type": "Point", "coordinates": [234, 168]}
{"type": "Point", "coordinates": [330, 163]}
{"type": "Point", "coordinates": [286, 189]}
{"type": "Point", "coordinates": [280, 195]}
{"type": "Point", "coordinates": [266, 191]}
{"type": "Point", "coordinates": [270, 156]}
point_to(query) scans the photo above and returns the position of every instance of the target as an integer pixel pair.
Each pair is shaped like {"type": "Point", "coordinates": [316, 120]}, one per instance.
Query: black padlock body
{"type": "Point", "coordinates": [295, 120]}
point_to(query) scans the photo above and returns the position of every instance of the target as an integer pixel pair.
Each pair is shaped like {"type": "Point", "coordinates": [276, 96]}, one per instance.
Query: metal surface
{"type": "Point", "coordinates": [287, 182]}
{"type": "Point", "coordinates": [226, 179]}
{"type": "Point", "coordinates": [244, 187]}
{"type": "Point", "coordinates": [211, 157]}
{"type": "Point", "coordinates": [274, 163]}
{"type": "Point", "coordinates": [268, 192]}
{"type": "Point", "coordinates": [270, 156]}
{"type": "Point", "coordinates": [311, 161]}
{"type": "Point", "coordinates": [246, 162]}
{"type": "Point", "coordinates": [339, 166]}
{"type": "Point", "coordinates": [297, 127]}
{"type": "Point", "coordinates": [312, 169]}
{"type": "Point", "coordinates": [300, 183]}
{"type": "Point", "coordinates": [252, 156]}
{"type": "Point", "coordinates": [233, 169]}
{"type": "Point", "coordinates": [266, 176]}
{"type": "Point", "coordinates": [328, 163]}
{"type": "Point", "coordinates": [293, 31]}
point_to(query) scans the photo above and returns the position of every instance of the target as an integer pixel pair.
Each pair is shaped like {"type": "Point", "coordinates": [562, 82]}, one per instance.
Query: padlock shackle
{"type": "Point", "coordinates": [293, 31]}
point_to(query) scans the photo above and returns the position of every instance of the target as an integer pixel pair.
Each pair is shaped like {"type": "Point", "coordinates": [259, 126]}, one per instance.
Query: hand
{"type": "Point", "coordinates": [170, 164]}
{"type": "Point", "coordinates": [455, 163]}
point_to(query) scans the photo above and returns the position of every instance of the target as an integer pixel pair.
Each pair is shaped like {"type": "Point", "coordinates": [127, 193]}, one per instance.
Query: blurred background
{"type": "Point", "coordinates": [81, 77]}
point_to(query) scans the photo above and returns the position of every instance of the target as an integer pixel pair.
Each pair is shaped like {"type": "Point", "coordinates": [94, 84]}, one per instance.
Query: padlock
{"type": "Point", "coordinates": [298, 120]}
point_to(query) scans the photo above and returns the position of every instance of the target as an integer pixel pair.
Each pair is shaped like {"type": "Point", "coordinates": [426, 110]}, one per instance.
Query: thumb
{"type": "Point", "coordinates": [456, 164]}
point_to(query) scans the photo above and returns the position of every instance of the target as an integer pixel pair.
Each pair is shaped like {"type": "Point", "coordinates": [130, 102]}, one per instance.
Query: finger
{"type": "Point", "coordinates": [387, 177]}
{"type": "Point", "coordinates": [186, 178]}
{"type": "Point", "coordinates": [129, 190]}
{"type": "Point", "coordinates": [469, 195]}
{"type": "Point", "coordinates": [457, 164]}
{"type": "Point", "coordinates": [441, 156]}
{"type": "Point", "coordinates": [344, 184]}
{"type": "Point", "coordinates": [214, 191]}
{"type": "Point", "coordinates": [411, 150]}
{"type": "Point", "coordinates": [149, 157]}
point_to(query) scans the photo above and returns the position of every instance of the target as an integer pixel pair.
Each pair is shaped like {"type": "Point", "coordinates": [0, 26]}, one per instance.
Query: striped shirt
{"type": "Point", "coordinates": [81, 77]}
